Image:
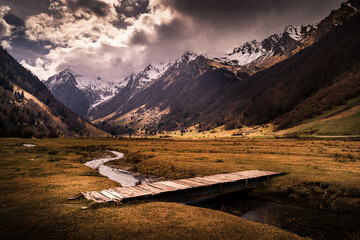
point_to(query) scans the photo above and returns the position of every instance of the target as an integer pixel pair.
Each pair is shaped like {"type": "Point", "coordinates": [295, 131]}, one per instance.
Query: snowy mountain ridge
{"type": "Point", "coordinates": [75, 89]}
{"type": "Point", "coordinates": [154, 71]}
{"type": "Point", "coordinates": [136, 82]}
{"type": "Point", "coordinates": [67, 76]}
{"type": "Point", "coordinates": [283, 44]}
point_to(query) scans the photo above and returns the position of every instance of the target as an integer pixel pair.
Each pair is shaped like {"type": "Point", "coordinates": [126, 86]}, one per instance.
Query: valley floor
{"type": "Point", "coordinates": [35, 183]}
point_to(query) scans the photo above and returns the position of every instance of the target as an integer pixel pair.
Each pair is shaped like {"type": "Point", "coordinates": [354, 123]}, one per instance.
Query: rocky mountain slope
{"type": "Point", "coordinates": [78, 92]}
{"type": "Point", "coordinates": [28, 109]}
{"type": "Point", "coordinates": [134, 84]}
{"type": "Point", "coordinates": [186, 91]}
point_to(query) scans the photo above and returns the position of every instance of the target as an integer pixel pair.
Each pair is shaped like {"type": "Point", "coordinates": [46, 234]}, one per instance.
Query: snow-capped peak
{"type": "Point", "coordinates": [258, 52]}
{"type": "Point", "coordinates": [67, 70]}
{"type": "Point", "coordinates": [248, 47]}
{"type": "Point", "coordinates": [65, 76]}
{"type": "Point", "coordinates": [96, 89]}
{"type": "Point", "coordinates": [246, 53]}
{"type": "Point", "coordinates": [294, 32]}
{"type": "Point", "coordinates": [298, 33]}
{"type": "Point", "coordinates": [187, 58]}
{"type": "Point", "coordinates": [150, 73]}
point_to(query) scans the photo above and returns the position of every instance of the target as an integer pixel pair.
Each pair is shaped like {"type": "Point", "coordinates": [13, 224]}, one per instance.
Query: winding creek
{"type": "Point", "coordinates": [125, 178]}
{"type": "Point", "coordinates": [305, 222]}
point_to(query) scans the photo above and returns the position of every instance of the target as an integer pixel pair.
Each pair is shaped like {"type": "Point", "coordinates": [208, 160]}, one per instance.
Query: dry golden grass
{"type": "Point", "coordinates": [35, 183]}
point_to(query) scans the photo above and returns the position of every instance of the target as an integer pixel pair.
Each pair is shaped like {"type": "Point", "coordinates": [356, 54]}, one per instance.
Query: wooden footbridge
{"type": "Point", "coordinates": [184, 190]}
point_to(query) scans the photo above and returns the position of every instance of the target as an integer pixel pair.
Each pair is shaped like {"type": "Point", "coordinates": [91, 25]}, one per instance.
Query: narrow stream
{"type": "Point", "coordinates": [305, 222]}
{"type": "Point", "coordinates": [125, 178]}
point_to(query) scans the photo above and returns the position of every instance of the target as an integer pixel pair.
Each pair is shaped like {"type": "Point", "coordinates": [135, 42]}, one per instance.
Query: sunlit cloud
{"type": "Point", "coordinates": [5, 28]}
{"type": "Point", "coordinates": [6, 45]}
{"type": "Point", "coordinates": [89, 41]}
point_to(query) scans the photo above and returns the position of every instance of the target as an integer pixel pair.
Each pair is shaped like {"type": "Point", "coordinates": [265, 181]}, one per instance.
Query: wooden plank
{"type": "Point", "coordinates": [151, 189]}
{"type": "Point", "coordinates": [230, 176]}
{"type": "Point", "coordinates": [222, 179]}
{"type": "Point", "coordinates": [191, 183]}
{"type": "Point", "coordinates": [116, 193]}
{"type": "Point", "coordinates": [205, 181]}
{"type": "Point", "coordinates": [248, 176]}
{"type": "Point", "coordinates": [162, 186]}
{"type": "Point", "coordinates": [142, 191]}
{"type": "Point", "coordinates": [255, 175]}
{"type": "Point", "coordinates": [225, 176]}
{"type": "Point", "coordinates": [214, 180]}
{"type": "Point", "coordinates": [137, 192]}
{"type": "Point", "coordinates": [235, 176]}
{"type": "Point", "coordinates": [124, 191]}
{"type": "Point", "coordinates": [99, 197]}
{"type": "Point", "coordinates": [117, 196]}
{"type": "Point", "coordinates": [241, 175]}
{"type": "Point", "coordinates": [110, 195]}
{"type": "Point", "coordinates": [175, 185]}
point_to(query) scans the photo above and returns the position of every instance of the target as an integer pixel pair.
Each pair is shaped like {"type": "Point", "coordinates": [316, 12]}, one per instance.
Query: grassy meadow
{"type": "Point", "coordinates": [35, 183]}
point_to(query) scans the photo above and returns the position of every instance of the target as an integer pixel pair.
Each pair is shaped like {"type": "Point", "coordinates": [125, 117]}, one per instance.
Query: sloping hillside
{"type": "Point", "coordinates": [27, 108]}
{"type": "Point", "coordinates": [343, 120]}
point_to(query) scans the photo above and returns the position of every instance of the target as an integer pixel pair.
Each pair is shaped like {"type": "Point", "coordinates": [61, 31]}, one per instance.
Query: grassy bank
{"type": "Point", "coordinates": [36, 182]}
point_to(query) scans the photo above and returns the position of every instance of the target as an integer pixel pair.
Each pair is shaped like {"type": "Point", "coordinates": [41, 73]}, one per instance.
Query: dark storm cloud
{"type": "Point", "coordinates": [99, 8]}
{"type": "Point", "coordinates": [26, 50]}
{"type": "Point", "coordinates": [139, 38]}
{"type": "Point", "coordinates": [233, 11]}
{"type": "Point", "coordinates": [132, 8]}
{"type": "Point", "coordinates": [25, 8]}
{"type": "Point", "coordinates": [22, 48]}
{"type": "Point", "coordinates": [14, 20]}
{"type": "Point", "coordinates": [174, 30]}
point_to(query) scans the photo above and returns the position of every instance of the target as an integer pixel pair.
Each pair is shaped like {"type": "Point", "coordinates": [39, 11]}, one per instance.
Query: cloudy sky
{"type": "Point", "coordinates": [114, 38]}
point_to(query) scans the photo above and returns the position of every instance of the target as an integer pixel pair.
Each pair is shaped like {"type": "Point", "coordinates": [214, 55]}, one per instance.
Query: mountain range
{"type": "Point", "coordinates": [285, 79]}
{"type": "Point", "coordinates": [257, 83]}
